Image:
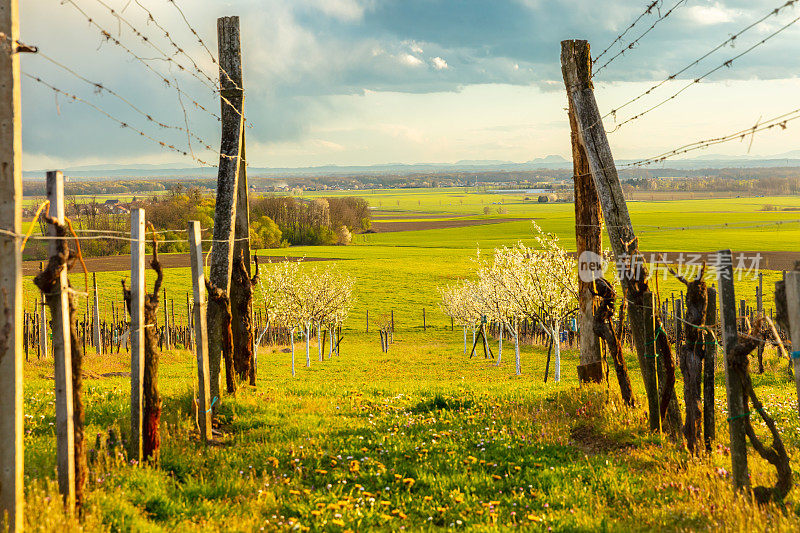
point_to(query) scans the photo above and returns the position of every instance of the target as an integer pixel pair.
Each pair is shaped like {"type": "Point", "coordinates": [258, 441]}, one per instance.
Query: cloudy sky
{"type": "Point", "coordinates": [386, 81]}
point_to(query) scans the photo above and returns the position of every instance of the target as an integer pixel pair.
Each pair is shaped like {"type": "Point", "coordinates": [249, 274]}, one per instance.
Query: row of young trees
{"type": "Point", "coordinates": [307, 299]}
{"type": "Point", "coordinates": [518, 283]}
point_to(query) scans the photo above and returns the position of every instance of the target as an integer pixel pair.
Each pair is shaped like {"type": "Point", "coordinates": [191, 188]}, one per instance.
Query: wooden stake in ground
{"type": "Point", "coordinates": [588, 241]}
{"type": "Point", "coordinates": [54, 285]}
{"type": "Point", "coordinates": [733, 384]}
{"type": "Point", "coordinates": [793, 314]}
{"type": "Point", "coordinates": [11, 303]}
{"type": "Point", "coordinates": [575, 63]}
{"type": "Point", "coordinates": [136, 310]}
{"type": "Point", "coordinates": [709, 368]}
{"type": "Point", "coordinates": [151, 402]}
{"type": "Point", "coordinates": [227, 184]}
{"type": "Point", "coordinates": [603, 328]}
{"type": "Point", "coordinates": [201, 339]}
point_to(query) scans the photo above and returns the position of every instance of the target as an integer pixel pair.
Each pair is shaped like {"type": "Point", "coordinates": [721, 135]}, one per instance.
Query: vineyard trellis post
{"type": "Point", "coordinates": [43, 345]}
{"type": "Point", "coordinates": [137, 331]}
{"type": "Point", "coordinates": [98, 346]}
{"type": "Point", "coordinates": [11, 303]}
{"type": "Point", "coordinates": [201, 338]}
{"type": "Point", "coordinates": [709, 370]}
{"type": "Point", "coordinates": [62, 354]}
{"type": "Point", "coordinates": [633, 275]}
{"type": "Point", "coordinates": [227, 180]}
{"type": "Point", "coordinates": [588, 240]}
{"type": "Point", "coordinates": [760, 312]}
{"type": "Point", "coordinates": [793, 312]}
{"type": "Point", "coordinates": [730, 337]}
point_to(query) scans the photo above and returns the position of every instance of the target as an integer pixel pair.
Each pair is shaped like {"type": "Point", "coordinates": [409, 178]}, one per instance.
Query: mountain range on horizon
{"type": "Point", "coordinates": [550, 162]}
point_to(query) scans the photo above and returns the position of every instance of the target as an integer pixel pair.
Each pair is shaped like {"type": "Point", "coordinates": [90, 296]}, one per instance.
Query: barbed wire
{"type": "Point", "coordinates": [636, 41]}
{"type": "Point", "coordinates": [203, 44]}
{"type": "Point", "coordinates": [103, 88]}
{"type": "Point", "coordinates": [729, 41]}
{"type": "Point", "coordinates": [151, 44]}
{"type": "Point", "coordinates": [697, 80]}
{"type": "Point", "coordinates": [178, 49]}
{"type": "Point", "coordinates": [121, 122]}
{"type": "Point", "coordinates": [646, 12]}
{"type": "Point", "coordinates": [779, 121]}
{"type": "Point", "coordinates": [109, 37]}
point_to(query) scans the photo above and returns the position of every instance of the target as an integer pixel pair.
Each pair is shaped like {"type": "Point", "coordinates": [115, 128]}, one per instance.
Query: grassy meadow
{"type": "Point", "coordinates": [422, 437]}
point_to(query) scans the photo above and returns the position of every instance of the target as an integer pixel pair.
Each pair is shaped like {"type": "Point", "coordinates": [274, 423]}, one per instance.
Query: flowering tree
{"type": "Point", "coordinates": [296, 299]}
{"type": "Point", "coordinates": [457, 302]}
{"type": "Point", "coordinates": [542, 283]}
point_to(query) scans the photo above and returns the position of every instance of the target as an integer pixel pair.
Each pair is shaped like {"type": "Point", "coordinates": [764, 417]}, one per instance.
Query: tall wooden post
{"type": "Point", "coordinates": [730, 337]}
{"type": "Point", "coordinates": [43, 344]}
{"type": "Point", "coordinates": [201, 340]}
{"type": "Point", "coordinates": [709, 368]}
{"type": "Point", "coordinates": [574, 64]}
{"type": "Point", "coordinates": [760, 312]}
{"type": "Point", "coordinates": [227, 184]}
{"type": "Point", "coordinates": [166, 321]}
{"type": "Point", "coordinates": [137, 331]}
{"type": "Point", "coordinates": [62, 356]}
{"type": "Point", "coordinates": [96, 318]}
{"type": "Point", "coordinates": [11, 303]}
{"type": "Point", "coordinates": [793, 310]}
{"type": "Point", "coordinates": [588, 237]}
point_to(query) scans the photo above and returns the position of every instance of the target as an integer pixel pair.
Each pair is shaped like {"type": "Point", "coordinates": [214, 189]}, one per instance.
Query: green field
{"type": "Point", "coordinates": [424, 437]}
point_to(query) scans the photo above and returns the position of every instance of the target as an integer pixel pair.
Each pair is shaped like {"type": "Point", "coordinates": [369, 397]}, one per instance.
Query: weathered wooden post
{"type": "Point", "coordinates": [227, 187]}
{"type": "Point", "coordinates": [62, 355]}
{"type": "Point", "coordinates": [760, 312]}
{"type": "Point", "coordinates": [43, 344]}
{"type": "Point", "coordinates": [710, 363]}
{"type": "Point", "coordinates": [575, 61]}
{"type": "Point", "coordinates": [137, 331]}
{"type": "Point", "coordinates": [588, 240]}
{"type": "Point", "coordinates": [98, 345]}
{"type": "Point", "coordinates": [11, 302]}
{"type": "Point", "coordinates": [793, 311]}
{"type": "Point", "coordinates": [424, 324]}
{"type": "Point", "coordinates": [730, 337]}
{"type": "Point", "coordinates": [201, 340]}
{"type": "Point", "coordinates": [167, 340]}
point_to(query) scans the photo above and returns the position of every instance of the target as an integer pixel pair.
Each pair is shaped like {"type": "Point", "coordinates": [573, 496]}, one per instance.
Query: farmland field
{"type": "Point", "coordinates": [424, 437]}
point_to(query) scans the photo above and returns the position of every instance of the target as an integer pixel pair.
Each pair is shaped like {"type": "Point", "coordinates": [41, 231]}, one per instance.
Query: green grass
{"type": "Point", "coordinates": [485, 449]}
{"type": "Point", "coordinates": [421, 438]}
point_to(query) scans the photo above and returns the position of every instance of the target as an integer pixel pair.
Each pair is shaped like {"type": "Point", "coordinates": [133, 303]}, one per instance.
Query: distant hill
{"type": "Point", "coordinates": [551, 162]}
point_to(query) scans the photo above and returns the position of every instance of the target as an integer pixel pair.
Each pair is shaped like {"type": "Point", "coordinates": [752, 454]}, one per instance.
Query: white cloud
{"type": "Point", "coordinates": [410, 60]}
{"type": "Point", "coordinates": [439, 63]}
{"type": "Point", "coordinates": [346, 10]}
{"type": "Point", "coordinates": [710, 15]}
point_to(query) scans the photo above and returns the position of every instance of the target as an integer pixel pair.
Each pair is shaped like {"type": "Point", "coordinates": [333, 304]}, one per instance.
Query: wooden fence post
{"type": "Point", "coordinates": [730, 337]}
{"type": "Point", "coordinates": [424, 325]}
{"type": "Point", "coordinates": [367, 320]}
{"type": "Point", "coordinates": [709, 368]}
{"type": "Point", "coordinates": [227, 185]}
{"type": "Point", "coordinates": [62, 356]}
{"type": "Point", "coordinates": [98, 345]}
{"type": "Point", "coordinates": [793, 310]}
{"type": "Point", "coordinates": [574, 60]}
{"type": "Point", "coordinates": [166, 321]}
{"type": "Point", "coordinates": [201, 340]}
{"type": "Point", "coordinates": [137, 331]}
{"type": "Point", "coordinates": [760, 312]}
{"type": "Point", "coordinates": [43, 345]}
{"type": "Point", "coordinates": [11, 303]}
{"type": "Point", "coordinates": [588, 240]}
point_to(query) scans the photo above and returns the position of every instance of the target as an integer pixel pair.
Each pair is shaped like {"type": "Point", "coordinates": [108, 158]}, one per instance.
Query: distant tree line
{"type": "Point", "coordinates": [313, 222]}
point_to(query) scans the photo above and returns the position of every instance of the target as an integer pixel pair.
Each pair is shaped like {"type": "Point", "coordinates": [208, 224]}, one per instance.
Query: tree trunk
{"type": "Point", "coordinates": [516, 349]}
{"type": "Point", "coordinates": [222, 302]}
{"type": "Point", "coordinates": [242, 329]}
{"type": "Point", "coordinates": [557, 349]}
{"type": "Point", "coordinates": [291, 336]}
{"type": "Point", "coordinates": [500, 345]}
{"type": "Point", "coordinates": [308, 346]}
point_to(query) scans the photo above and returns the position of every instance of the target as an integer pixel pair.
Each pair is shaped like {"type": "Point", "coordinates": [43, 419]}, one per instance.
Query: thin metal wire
{"type": "Point", "coordinates": [636, 41]}
{"type": "Point", "coordinates": [629, 28]}
{"type": "Point", "coordinates": [697, 80]}
{"type": "Point", "coordinates": [203, 44]}
{"type": "Point", "coordinates": [178, 49]}
{"type": "Point", "coordinates": [729, 41]}
{"type": "Point", "coordinates": [109, 37]}
{"type": "Point", "coordinates": [115, 119]}
{"type": "Point", "coordinates": [103, 88]}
